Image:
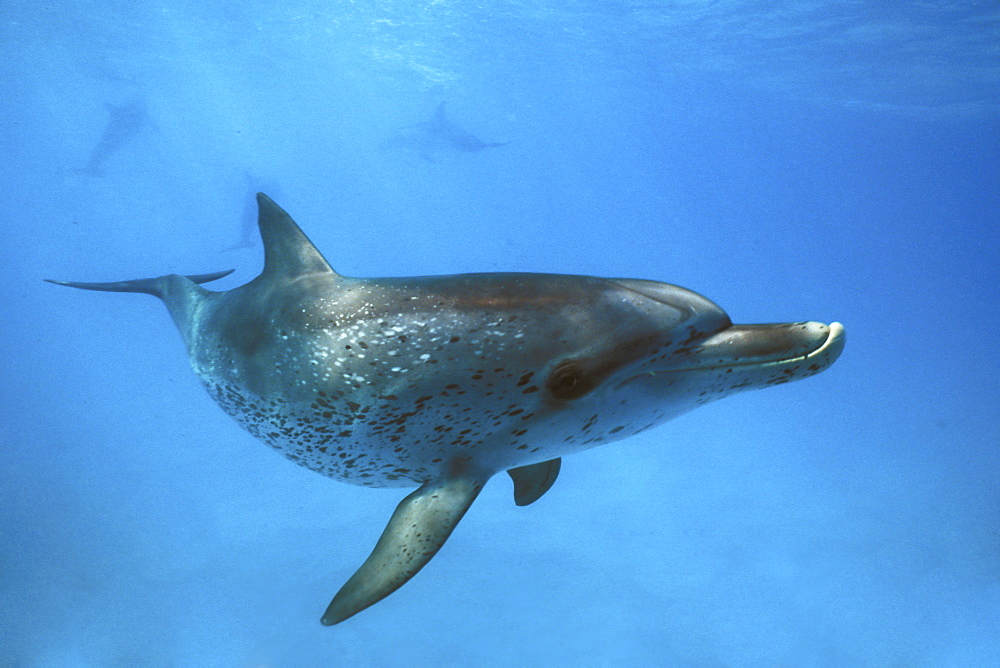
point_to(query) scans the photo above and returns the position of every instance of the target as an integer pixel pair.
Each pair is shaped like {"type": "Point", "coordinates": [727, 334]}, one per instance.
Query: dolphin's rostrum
{"type": "Point", "coordinates": [442, 381]}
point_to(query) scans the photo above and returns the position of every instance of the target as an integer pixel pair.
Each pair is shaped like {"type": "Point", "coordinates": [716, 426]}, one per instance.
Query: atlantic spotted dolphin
{"type": "Point", "coordinates": [439, 135]}
{"type": "Point", "coordinates": [125, 123]}
{"type": "Point", "coordinates": [441, 382]}
{"type": "Point", "coordinates": [445, 131]}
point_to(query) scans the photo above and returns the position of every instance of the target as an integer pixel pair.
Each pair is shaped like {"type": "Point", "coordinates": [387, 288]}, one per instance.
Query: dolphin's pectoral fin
{"type": "Point", "coordinates": [419, 527]}
{"type": "Point", "coordinates": [531, 481]}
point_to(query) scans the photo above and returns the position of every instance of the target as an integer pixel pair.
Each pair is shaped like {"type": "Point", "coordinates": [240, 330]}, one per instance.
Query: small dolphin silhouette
{"type": "Point", "coordinates": [248, 220]}
{"type": "Point", "coordinates": [125, 122]}
{"type": "Point", "coordinates": [439, 134]}
{"type": "Point", "coordinates": [441, 382]}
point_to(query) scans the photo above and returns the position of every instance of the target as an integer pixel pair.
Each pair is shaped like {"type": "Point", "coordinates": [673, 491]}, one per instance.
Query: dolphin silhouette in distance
{"type": "Point", "coordinates": [125, 122]}
{"type": "Point", "coordinates": [437, 135]}
{"type": "Point", "coordinates": [440, 382]}
{"type": "Point", "coordinates": [248, 220]}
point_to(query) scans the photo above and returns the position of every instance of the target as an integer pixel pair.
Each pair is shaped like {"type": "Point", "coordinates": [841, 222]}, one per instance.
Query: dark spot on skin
{"type": "Point", "coordinates": [693, 336]}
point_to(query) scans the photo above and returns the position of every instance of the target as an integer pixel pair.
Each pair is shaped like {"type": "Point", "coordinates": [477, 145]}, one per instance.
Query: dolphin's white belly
{"type": "Point", "coordinates": [353, 409]}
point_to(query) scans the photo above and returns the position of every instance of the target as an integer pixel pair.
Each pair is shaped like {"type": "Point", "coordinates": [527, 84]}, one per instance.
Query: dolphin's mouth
{"type": "Point", "coordinates": [770, 345]}
{"type": "Point", "coordinates": [830, 348]}
{"type": "Point", "coordinates": [763, 347]}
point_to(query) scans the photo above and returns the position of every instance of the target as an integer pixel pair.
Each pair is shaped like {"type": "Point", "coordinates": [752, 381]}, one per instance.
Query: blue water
{"type": "Point", "coordinates": [790, 161]}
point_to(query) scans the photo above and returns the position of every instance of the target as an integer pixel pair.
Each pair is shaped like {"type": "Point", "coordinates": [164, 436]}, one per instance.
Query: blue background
{"type": "Point", "coordinates": [789, 160]}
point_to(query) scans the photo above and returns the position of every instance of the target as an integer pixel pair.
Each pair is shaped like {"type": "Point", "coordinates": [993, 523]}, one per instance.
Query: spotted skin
{"type": "Point", "coordinates": [442, 381]}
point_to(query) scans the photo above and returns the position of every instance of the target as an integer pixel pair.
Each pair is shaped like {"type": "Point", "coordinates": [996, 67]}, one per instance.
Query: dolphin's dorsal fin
{"type": "Point", "coordinates": [287, 250]}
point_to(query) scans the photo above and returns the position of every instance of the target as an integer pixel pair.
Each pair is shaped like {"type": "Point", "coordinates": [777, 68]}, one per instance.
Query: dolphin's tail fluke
{"type": "Point", "coordinates": [181, 294]}
{"type": "Point", "coordinates": [149, 286]}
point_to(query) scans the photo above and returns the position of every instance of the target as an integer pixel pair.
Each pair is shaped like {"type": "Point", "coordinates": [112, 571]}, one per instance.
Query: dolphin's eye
{"type": "Point", "coordinates": [569, 381]}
